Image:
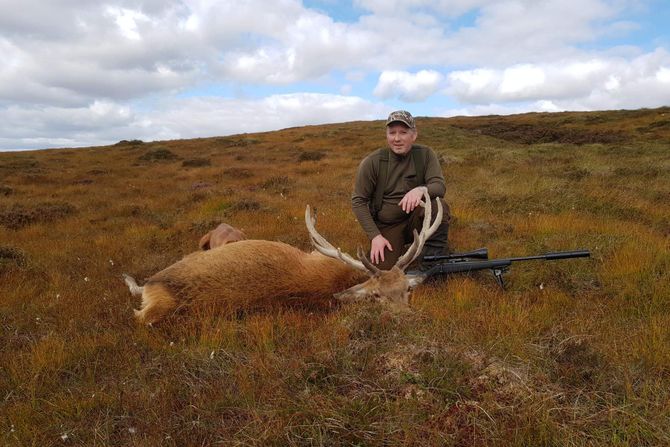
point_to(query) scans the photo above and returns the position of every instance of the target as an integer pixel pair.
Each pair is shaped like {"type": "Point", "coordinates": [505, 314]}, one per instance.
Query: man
{"type": "Point", "coordinates": [390, 183]}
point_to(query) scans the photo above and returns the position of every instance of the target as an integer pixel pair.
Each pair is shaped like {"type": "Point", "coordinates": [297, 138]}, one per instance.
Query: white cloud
{"type": "Point", "coordinates": [127, 21]}
{"type": "Point", "coordinates": [568, 81]}
{"type": "Point", "coordinates": [663, 75]}
{"type": "Point", "coordinates": [504, 109]}
{"type": "Point", "coordinates": [286, 43]}
{"type": "Point", "coordinates": [410, 87]}
{"type": "Point", "coordinates": [613, 83]}
{"type": "Point", "coordinates": [547, 106]}
{"type": "Point", "coordinates": [311, 47]}
{"type": "Point", "coordinates": [471, 83]}
{"type": "Point", "coordinates": [520, 80]}
{"type": "Point", "coordinates": [590, 85]}
{"type": "Point", "coordinates": [209, 116]}
{"type": "Point", "coordinates": [107, 122]}
{"type": "Point", "coordinates": [114, 61]}
{"type": "Point", "coordinates": [35, 127]}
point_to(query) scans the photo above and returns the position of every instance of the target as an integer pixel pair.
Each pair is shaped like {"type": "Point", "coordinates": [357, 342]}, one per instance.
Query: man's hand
{"type": "Point", "coordinates": [377, 246]}
{"type": "Point", "coordinates": [412, 199]}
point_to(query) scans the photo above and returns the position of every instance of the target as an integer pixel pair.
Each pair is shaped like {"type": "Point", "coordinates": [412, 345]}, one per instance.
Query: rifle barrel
{"type": "Point", "coordinates": [555, 255]}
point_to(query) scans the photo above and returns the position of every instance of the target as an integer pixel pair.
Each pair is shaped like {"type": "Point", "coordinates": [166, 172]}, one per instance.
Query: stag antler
{"type": "Point", "coordinates": [326, 248]}
{"type": "Point", "coordinates": [427, 231]}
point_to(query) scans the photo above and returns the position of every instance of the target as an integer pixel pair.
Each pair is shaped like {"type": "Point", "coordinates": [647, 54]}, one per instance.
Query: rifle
{"type": "Point", "coordinates": [479, 260]}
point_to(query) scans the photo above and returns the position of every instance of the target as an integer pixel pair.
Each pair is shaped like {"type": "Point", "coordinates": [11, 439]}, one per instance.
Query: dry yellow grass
{"type": "Point", "coordinates": [572, 353]}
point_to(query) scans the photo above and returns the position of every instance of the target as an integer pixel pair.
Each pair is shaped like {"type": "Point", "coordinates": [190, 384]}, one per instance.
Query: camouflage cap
{"type": "Point", "coordinates": [402, 116]}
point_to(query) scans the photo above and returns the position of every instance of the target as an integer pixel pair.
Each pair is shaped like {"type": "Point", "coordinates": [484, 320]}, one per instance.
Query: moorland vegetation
{"type": "Point", "coordinates": [573, 352]}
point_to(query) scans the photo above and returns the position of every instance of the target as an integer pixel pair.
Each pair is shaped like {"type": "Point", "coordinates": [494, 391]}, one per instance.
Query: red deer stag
{"type": "Point", "coordinates": [254, 273]}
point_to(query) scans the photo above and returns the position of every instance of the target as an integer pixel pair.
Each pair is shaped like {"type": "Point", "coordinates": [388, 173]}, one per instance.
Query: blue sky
{"type": "Point", "coordinates": [79, 73]}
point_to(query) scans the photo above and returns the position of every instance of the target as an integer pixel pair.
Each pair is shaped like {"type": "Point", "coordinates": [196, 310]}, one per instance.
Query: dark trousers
{"type": "Point", "coordinates": [400, 235]}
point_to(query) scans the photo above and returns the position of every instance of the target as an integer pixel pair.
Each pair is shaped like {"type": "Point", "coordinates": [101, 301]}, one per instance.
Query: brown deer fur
{"type": "Point", "coordinates": [253, 273]}
{"type": "Point", "coordinates": [243, 275]}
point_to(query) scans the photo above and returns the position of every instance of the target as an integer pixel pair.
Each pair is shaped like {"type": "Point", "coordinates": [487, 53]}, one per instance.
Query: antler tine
{"type": "Point", "coordinates": [427, 231]}
{"type": "Point", "coordinates": [417, 244]}
{"type": "Point", "coordinates": [411, 253]}
{"type": "Point", "coordinates": [314, 236]}
{"type": "Point", "coordinates": [326, 248]}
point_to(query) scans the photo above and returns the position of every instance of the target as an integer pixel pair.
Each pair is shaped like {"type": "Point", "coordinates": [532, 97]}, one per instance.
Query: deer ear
{"type": "Point", "coordinates": [204, 242]}
{"type": "Point", "coordinates": [415, 280]}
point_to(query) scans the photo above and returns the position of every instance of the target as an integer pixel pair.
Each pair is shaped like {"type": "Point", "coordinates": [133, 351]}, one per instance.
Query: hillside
{"type": "Point", "coordinates": [574, 352]}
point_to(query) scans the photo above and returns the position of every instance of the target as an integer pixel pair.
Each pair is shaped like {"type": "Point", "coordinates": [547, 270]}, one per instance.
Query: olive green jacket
{"type": "Point", "coordinates": [401, 178]}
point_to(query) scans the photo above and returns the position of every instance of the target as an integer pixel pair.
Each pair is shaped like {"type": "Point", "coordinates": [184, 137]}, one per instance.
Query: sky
{"type": "Point", "coordinates": [79, 73]}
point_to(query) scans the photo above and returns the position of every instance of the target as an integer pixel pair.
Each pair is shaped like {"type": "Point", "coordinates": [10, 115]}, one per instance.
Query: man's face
{"type": "Point", "coordinates": [400, 138]}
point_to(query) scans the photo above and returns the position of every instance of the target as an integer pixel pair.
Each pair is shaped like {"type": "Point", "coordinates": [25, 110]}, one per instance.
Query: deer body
{"type": "Point", "coordinates": [242, 275]}
{"type": "Point", "coordinates": [252, 273]}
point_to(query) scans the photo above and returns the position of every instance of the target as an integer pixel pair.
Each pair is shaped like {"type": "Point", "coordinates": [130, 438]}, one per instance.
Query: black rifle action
{"type": "Point", "coordinates": [479, 260]}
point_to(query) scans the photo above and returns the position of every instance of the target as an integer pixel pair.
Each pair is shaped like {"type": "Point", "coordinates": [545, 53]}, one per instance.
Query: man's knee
{"type": "Point", "coordinates": [438, 243]}
{"type": "Point", "coordinates": [393, 234]}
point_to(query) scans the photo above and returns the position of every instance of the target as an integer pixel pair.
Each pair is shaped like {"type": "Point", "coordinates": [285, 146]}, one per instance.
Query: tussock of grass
{"type": "Point", "coordinates": [196, 162]}
{"type": "Point", "coordinates": [11, 256]}
{"type": "Point", "coordinates": [311, 156]}
{"type": "Point", "coordinates": [572, 353]}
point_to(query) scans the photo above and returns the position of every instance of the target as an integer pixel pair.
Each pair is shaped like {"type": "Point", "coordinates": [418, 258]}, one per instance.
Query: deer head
{"type": "Point", "coordinates": [388, 286]}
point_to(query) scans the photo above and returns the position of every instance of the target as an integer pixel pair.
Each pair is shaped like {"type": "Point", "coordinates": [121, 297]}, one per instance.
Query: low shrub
{"type": "Point", "coordinates": [11, 256]}
{"type": "Point", "coordinates": [246, 205]}
{"type": "Point", "coordinates": [278, 183]}
{"type": "Point", "coordinates": [237, 142]}
{"type": "Point", "coordinates": [159, 155]}
{"type": "Point", "coordinates": [21, 164]}
{"type": "Point", "coordinates": [196, 162]}
{"type": "Point", "coordinates": [311, 156]}
{"type": "Point", "coordinates": [129, 143]}
{"type": "Point", "coordinates": [237, 173]}
{"type": "Point", "coordinates": [19, 216]}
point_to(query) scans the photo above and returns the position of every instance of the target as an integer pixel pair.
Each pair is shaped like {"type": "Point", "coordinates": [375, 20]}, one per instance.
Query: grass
{"type": "Point", "coordinates": [573, 352]}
